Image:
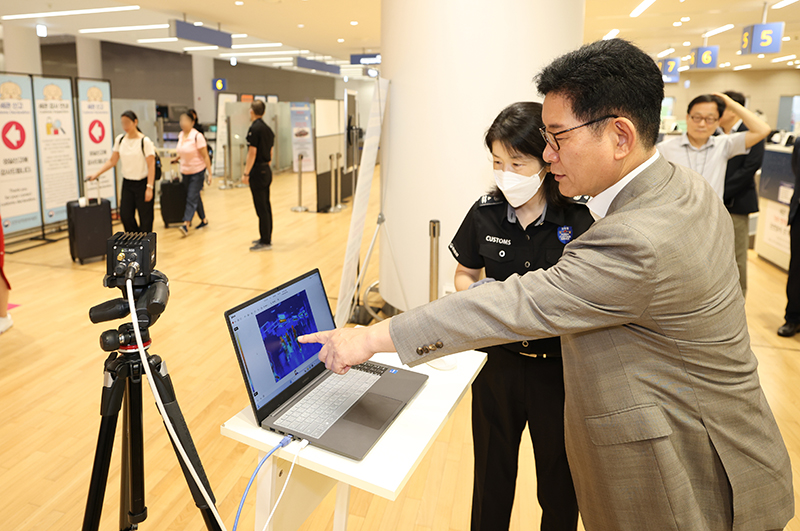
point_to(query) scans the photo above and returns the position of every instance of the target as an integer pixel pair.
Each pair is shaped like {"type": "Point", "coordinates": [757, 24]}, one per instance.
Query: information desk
{"type": "Point", "coordinates": [384, 471]}
{"type": "Point", "coordinates": [775, 189]}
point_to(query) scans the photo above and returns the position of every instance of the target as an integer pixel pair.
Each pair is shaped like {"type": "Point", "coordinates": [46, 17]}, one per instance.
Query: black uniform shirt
{"type": "Point", "coordinates": [491, 237]}
{"type": "Point", "coordinates": [261, 137]}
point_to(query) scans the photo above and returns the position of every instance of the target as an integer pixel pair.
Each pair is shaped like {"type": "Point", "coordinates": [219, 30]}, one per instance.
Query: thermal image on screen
{"type": "Point", "coordinates": [280, 327]}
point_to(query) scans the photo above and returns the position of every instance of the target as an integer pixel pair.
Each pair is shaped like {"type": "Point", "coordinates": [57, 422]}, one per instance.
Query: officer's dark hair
{"type": "Point", "coordinates": [517, 129]}
{"type": "Point", "coordinates": [609, 77]}
{"type": "Point", "coordinates": [707, 98]}
{"type": "Point", "coordinates": [738, 97]}
{"type": "Point", "coordinates": [258, 107]}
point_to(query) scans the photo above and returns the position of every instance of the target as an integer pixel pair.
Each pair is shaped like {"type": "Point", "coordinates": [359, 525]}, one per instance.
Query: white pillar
{"type": "Point", "coordinates": [90, 58]}
{"type": "Point", "coordinates": [21, 48]}
{"type": "Point", "coordinates": [453, 66]}
{"type": "Point", "coordinates": [202, 77]}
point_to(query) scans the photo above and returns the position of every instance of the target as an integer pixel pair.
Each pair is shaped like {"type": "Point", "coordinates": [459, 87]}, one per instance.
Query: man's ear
{"type": "Point", "coordinates": [624, 136]}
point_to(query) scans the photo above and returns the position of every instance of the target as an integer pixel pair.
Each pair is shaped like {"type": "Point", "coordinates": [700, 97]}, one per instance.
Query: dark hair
{"type": "Point", "coordinates": [130, 115]}
{"type": "Point", "coordinates": [708, 98]}
{"type": "Point", "coordinates": [609, 77]}
{"type": "Point", "coordinates": [258, 107]}
{"type": "Point", "coordinates": [517, 129]}
{"type": "Point", "coordinates": [192, 115]}
{"type": "Point", "coordinates": [738, 97]}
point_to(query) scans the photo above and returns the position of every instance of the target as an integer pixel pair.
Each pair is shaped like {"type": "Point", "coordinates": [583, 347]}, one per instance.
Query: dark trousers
{"type": "Point", "coordinates": [510, 391]}
{"type": "Point", "coordinates": [793, 282]}
{"type": "Point", "coordinates": [260, 181]}
{"type": "Point", "coordinates": [132, 200]}
{"type": "Point", "coordinates": [194, 203]}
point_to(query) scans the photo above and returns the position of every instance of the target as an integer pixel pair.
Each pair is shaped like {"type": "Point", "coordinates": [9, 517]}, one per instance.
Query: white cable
{"type": "Point", "coordinates": [303, 444]}
{"type": "Point", "coordinates": [163, 411]}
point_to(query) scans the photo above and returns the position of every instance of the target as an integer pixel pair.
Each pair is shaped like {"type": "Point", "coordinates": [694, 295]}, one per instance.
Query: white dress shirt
{"type": "Point", "coordinates": [599, 204]}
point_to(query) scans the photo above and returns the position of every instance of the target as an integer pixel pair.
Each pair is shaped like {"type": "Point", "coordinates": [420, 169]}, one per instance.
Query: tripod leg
{"type": "Point", "coordinates": [132, 504]}
{"type": "Point", "coordinates": [167, 393]}
{"type": "Point", "coordinates": [113, 391]}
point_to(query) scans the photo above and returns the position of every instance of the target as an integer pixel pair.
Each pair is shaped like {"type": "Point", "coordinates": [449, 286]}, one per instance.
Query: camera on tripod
{"type": "Point", "coordinates": [131, 256]}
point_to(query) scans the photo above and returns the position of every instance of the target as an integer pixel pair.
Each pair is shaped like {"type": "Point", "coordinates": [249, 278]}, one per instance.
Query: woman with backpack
{"type": "Point", "coordinates": [138, 156]}
{"type": "Point", "coordinates": [195, 165]}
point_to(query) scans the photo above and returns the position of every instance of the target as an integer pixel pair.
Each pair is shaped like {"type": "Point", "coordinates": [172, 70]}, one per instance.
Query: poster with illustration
{"type": "Point", "coordinates": [97, 137]}
{"type": "Point", "coordinates": [19, 184]}
{"type": "Point", "coordinates": [302, 136]}
{"type": "Point", "coordinates": [58, 156]}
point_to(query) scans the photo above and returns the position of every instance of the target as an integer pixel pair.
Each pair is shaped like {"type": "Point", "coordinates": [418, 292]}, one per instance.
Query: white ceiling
{"type": "Point", "coordinates": [326, 21]}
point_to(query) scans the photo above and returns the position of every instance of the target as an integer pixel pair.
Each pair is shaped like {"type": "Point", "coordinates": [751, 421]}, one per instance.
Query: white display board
{"type": "Point", "coordinates": [19, 184]}
{"type": "Point", "coordinates": [55, 139]}
{"type": "Point", "coordinates": [328, 120]}
{"type": "Point", "coordinates": [222, 132]}
{"type": "Point", "coordinates": [97, 138]}
{"type": "Point", "coordinates": [776, 228]}
{"type": "Point", "coordinates": [363, 189]}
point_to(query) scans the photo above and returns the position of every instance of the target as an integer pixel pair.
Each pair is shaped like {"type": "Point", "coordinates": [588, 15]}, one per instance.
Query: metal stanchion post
{"type": "Point", "coordinates": [226, 178]}
{"type": "Point", "coordinates": [334, 207]}
{"type": "Point", "coordinates": [339, 176]}
{"type": "Point", "coordinates": [243, 164]}
{"type": "Point", "coordinates": [353, 145]}
{"type": "Point", "coordinates": [299, 207]}
{"type": "Point", "coordinates": [435, 231]}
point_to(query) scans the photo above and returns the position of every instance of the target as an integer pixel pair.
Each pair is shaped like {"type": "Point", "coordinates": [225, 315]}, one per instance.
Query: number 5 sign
{"type": "Point", "coordinates": [762, 38]}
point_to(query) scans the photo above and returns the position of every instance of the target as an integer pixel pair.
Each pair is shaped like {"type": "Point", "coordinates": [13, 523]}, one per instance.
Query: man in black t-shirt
{"type": "Point", "coordinates": [258, 174]}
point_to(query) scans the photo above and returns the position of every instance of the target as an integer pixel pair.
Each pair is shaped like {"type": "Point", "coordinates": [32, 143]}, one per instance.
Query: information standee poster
{"type": "Point", "coordinates": [97, 139]}
{"type": "Point", "coordinates": [55, 137]}
{"type": "Point", "coordinates": [19, 184]}
{"type": "Point", "coordinates": [302, 136]}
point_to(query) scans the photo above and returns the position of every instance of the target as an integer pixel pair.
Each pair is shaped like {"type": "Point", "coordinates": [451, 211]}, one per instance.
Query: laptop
{"type": "Point", "coordinates": [291, 391]}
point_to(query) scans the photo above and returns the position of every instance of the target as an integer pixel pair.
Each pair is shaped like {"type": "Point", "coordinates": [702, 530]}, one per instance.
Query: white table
{"type": "Point", "coordinates": [384, 471]}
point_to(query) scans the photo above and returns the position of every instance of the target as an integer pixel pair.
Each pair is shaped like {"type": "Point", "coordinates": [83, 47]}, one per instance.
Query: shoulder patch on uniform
{"type": "Point", "coordinates": [488, 200]}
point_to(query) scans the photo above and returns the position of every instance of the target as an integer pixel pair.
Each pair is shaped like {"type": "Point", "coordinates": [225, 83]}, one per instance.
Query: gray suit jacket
{"type": "Point", "coordinates": [667, 427]}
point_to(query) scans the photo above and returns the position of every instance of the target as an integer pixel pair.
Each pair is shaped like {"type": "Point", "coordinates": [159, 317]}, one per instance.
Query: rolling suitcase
{"type": "Point", "coordinates": [89, 228]}
{"type": "Point", "coordinates": [173, 201]}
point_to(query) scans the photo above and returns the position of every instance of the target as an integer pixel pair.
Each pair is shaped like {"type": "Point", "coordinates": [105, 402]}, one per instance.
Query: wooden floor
{"type": "Point", "coordinates": [51, 378]}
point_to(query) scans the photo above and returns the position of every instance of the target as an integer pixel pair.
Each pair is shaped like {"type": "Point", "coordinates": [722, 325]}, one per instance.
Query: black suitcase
{"type": "Point", "coordinates": [173, 201]}
{"type": "Point", "coordinates": [89, 228]}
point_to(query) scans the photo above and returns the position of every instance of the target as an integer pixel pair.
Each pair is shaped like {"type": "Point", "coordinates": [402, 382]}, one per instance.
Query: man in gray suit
{"type": "Point", "coordinates": [666, 423]}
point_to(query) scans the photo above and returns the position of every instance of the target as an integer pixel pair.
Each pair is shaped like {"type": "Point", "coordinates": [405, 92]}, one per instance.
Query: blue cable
{"type": "Point", "coordinates": [286, 440]}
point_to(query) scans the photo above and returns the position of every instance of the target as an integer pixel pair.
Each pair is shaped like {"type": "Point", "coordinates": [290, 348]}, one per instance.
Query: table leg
{"type": "Point", "coordinates": [342, 507]}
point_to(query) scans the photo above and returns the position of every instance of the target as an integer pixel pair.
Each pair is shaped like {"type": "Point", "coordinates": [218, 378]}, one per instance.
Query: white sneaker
{"type": "Point", "coordinates": [6, 323]}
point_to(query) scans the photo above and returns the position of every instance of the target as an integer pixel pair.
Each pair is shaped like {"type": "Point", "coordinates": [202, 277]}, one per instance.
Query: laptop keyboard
{"type": "Point", "coordinates": [326, 403]}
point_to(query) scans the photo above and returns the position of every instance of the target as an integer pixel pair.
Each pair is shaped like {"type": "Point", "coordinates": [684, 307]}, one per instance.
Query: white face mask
{"type": "Point", "coordinates": [516, 188]}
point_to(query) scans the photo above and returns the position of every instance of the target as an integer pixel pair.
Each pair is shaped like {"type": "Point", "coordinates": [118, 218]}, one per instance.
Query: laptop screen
{"type": "Point", "coordinates": [266, 330]}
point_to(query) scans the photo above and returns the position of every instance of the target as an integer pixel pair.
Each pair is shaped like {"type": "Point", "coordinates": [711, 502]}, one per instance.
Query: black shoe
{"type": "Point", "coordinates": [788, 329]}
{"type": "Point", "coordinates": [201, 225]}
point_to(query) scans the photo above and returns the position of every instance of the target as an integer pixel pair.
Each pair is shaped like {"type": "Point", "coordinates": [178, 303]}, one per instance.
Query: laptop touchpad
{"type": "Point", "coordinates": [373, 411]}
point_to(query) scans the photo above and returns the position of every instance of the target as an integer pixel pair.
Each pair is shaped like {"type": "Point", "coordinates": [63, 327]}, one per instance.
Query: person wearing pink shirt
{"type": "Point", "coordinates": [194, 162]}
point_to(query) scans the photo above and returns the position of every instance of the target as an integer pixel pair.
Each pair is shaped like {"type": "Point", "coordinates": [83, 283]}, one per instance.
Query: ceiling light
{"type": "Point", "coordinates": [239, 36]}
{"type": "Point", "coordinates": [665, 52]}
{"type": "Point", "coordinates": [738, 52]}
{"type": "Point", "coordinates": [354, 23]}
{"type": "Point", "coordinates": [41, 30]}
{"type": "Point", "coordinates": [685, 19]}
{"type": "Point", "coordinates": [723, 65]}
{"type": "Point", "coordinates": [786, 39]}
{"type": "Point", "coordinates": [301, 25]}
{"type": "Point", "coordinates": [687, 43]}
{"type": "Point", "coordinates": [761, 56]}
{"type": "Point", "coordinates": [160, 39]}
{"type": "Point", "coordinates": [742, 67]}
{"type": "Point", "coordinates": [346, 79]}
{"type": "Point", "coordinates": [259, 45]}
{"type": "Point", "coordinates": [234, 62]}
{"type": "Point", "coordinates": [683, 68]}
{"type": "Point", "coordinates": [641, 8]}
{"type": "Point", "coordinates": [124, 28]}
{"type": "Point", "coordinates": [611, 34]}
{"type": "Point", "coordinates": [677, 24]}
{"type": "Point", "coordinates": [790, 63]}
{"type": "Point", "coordinates": [686, 57]}
{"type": "Point", "coordinates": [71, 12]}
{"type": "Point", "coordinates": [783, 3]}
{"type": "Point", "coordinates": [198, 23]}
{"type": "Point", "coordinates": [339, 40]}
{"type": "Point", "coordinates": [254, 54]}
{"type": "Point", "coordinates": [271, 60]}
{"type": "Point", "coordinates": [718, 30]}
{"type": "Point", "coordinates": [784, 58]}
{"type": "Point", "coordinates": [199, 48]}
{"type": "Point", "coordinates": [239, 3]}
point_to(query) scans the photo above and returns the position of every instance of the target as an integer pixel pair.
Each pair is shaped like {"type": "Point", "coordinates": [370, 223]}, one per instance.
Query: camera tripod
{"type": "Point", "coordinates": [122, 389]}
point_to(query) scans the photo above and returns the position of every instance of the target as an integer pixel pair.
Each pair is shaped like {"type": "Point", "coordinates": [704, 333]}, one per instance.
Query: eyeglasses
{"type": "Point", "coordinates": [552, 138]}
{"type": "Point", "coordinates": [710, 120]}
